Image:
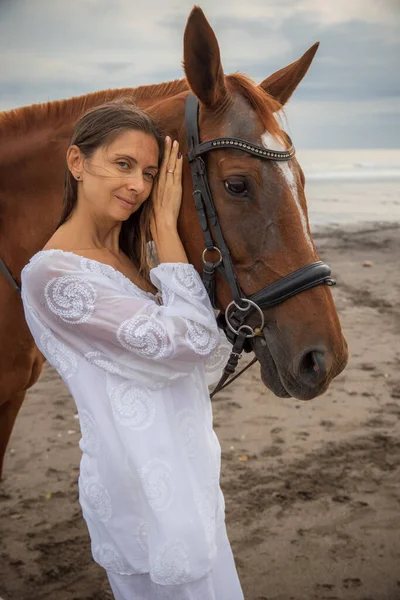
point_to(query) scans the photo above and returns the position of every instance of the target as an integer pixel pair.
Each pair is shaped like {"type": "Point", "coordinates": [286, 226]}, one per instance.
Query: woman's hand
{"type": "Point", "coordinates": [167, 198]}
{"type": "Point", "coordinates": [167, 191]}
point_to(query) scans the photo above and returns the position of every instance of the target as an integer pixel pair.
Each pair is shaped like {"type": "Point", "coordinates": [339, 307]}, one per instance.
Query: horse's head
{"type": "Point", "coordinates": [262, 210]}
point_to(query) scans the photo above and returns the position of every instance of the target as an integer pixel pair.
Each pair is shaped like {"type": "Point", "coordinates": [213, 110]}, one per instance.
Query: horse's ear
{"type": "Point", "coordinates": [281, 85]}
{"type": "Point", "coordinates": [201, 59]}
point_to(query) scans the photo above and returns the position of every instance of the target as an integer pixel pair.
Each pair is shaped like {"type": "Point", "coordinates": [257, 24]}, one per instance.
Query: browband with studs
{"type": "Point", "coordinates": [241, 145]}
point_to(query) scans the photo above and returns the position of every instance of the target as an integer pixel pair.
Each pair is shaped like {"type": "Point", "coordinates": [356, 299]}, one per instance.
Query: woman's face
{"type": "Point", "coordinates": [119, 177]}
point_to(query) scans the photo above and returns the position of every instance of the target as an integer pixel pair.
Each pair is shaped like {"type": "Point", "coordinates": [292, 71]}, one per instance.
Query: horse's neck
{"type": "Point", "coordinates": [26, 128]}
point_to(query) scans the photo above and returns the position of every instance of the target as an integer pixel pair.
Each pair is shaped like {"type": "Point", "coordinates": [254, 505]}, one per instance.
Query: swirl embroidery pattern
{"type": "Point", "coordinates": [171, 564]}
{"type": "Point", "coordinates": [207, 505]}
{"type": "Point", "coordinates": [71, 298]}
{"type": "Point", "coordinates": [58, 354]}
{"type": "Point", "coordinates": [144, 335]}
{"type": "Point", "coordinates": [110, 559]}
{"type": "Point", "coordinates": [168, 296]}
{"type": "Point", "coordinates": [157, 484]}
{"type": "Point", "coordinates": [132, 405]}
{"type": "Point", "coordinates": [90, 442]}
{"type": "Point", "coordinates": [98, 498]}
{"type": "Point", "coordinates": [186, 278]}
{"type": "Point", "coordinates": [200, 338]}
{"type": "Point", "coordinates": [219, 356]}
{"type": "Point", "coordinates": [188, 426]}
{"type": "Point", "coordinates": [103, 361]}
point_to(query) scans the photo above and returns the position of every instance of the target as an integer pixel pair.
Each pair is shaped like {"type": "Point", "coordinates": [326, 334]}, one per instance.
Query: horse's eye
{"type": "Point", "coordinates": [237, 188]}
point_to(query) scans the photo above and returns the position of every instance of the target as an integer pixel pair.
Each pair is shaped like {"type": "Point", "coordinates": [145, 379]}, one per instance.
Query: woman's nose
{"type": "Point", "coordinates": [135, 184]}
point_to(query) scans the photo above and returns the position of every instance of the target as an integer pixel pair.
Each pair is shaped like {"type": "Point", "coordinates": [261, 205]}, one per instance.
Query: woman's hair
{"type": "Point", "coordinates": [99, 127]}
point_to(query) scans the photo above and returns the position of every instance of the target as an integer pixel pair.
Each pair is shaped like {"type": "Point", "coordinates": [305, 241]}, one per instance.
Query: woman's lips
{"type": "Point", "coordinates": [125, 202]}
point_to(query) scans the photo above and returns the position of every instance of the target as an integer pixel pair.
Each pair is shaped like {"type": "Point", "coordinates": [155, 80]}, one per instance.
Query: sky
{"type": "Point", "coordinates": [350, 97]}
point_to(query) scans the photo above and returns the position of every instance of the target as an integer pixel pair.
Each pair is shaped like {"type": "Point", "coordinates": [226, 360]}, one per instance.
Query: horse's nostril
{"type": "Point", "coordinates": [312, 366]}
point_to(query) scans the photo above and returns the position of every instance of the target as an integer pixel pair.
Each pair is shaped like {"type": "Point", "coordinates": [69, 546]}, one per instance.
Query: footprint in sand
{"type": "Point", "coordinates": [324, 586]}
{"type": "Point", "coordinates": [351, 583]}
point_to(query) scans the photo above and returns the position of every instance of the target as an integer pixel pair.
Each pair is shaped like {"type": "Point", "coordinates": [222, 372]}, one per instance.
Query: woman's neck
{"type": "Point", "coordinates": [83, 233]}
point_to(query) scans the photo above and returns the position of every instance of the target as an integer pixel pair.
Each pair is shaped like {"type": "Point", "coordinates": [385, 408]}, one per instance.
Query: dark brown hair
{"type": "Point", "coordinates": [99, 127]}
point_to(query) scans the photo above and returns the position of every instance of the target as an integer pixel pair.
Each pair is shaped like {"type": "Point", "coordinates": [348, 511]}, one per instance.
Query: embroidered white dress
{"type": "Point", "coordinates": [138, 367]}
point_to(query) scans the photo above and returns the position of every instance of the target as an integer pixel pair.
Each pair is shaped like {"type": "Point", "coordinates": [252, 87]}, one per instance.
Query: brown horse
{"type": "Point", "coordinates": [261, 206]}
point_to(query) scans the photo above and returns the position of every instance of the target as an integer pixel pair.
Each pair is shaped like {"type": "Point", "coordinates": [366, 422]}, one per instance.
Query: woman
{"type": "Point", "coordinates": [135, 346]}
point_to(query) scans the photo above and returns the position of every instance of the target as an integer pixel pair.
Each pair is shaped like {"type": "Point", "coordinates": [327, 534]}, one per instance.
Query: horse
{"type": "Point", "coordinates": [261, 207]}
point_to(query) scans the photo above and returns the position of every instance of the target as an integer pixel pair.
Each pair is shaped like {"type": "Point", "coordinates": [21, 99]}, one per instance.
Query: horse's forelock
{"type": "Point", "coordinates": [263, 104]}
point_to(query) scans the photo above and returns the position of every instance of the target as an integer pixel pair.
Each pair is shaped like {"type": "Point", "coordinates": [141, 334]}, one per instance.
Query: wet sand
{"type": "Point", "coordinates": [312, 489]}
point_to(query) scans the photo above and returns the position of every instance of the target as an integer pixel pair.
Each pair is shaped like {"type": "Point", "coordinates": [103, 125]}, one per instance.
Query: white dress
{"type": "Point", "coordinates": [138, 367]}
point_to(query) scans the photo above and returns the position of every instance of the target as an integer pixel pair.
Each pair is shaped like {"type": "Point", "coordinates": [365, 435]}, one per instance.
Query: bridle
{"type": "Point", "coordinates": [232, 320]}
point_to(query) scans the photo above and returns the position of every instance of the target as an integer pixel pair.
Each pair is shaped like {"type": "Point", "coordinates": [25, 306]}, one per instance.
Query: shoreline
{"type": "Point", "coordinates": [322, 230]}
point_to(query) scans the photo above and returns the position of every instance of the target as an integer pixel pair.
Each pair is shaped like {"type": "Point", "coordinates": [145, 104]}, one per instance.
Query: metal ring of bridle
{"type": "Point", "coordinates": [212, 249]}
{"type": "Point", "coordinates": [242, 327]}
{"type": "Point", "coordinates": [303, 279]}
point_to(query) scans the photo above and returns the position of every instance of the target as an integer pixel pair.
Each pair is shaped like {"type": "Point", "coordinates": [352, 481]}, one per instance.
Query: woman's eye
{"type": "Point", "coordinates": [237, 188]}
{"type": "Point", "coordinates": [150, 176]}
{"type": "Point", "coordinates": [123, 164]}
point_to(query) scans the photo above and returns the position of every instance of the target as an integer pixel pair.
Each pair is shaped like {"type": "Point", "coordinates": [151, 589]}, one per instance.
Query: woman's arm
{"type": "Point", "coordinates": [91, 313]}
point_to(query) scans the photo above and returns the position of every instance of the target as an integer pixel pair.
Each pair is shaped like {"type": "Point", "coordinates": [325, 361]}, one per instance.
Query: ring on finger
{"type": "Point", "coordinates": [170, 171]}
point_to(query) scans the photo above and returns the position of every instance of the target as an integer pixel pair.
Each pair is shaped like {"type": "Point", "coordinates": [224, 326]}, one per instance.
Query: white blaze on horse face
{"type": "Point", "coordinates": [268, 141]}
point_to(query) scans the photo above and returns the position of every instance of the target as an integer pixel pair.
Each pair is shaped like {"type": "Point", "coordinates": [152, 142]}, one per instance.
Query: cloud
{"type": "Point", "coordinates": [356, 62]}
{"type": "Point", "coordinates": [339, 124]}
{"type": "Point", "coordinates": [51, 50]}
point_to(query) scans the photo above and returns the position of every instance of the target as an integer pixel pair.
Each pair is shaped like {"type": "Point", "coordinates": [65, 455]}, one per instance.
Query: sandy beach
{"type": "Point", "coordinates": [312, 489]}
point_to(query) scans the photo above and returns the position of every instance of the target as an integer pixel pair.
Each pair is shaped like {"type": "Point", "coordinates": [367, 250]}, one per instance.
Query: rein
{"type": "Point", "coordinates": [232, 320]}
{"type": "Point", "coordinates": [5, 271]}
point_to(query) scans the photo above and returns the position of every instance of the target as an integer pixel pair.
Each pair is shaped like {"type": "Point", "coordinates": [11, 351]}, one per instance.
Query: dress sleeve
{"type": "Point", "coordinates": [124, 329]}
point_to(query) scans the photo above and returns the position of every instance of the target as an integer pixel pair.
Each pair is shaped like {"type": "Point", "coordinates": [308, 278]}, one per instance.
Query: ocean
{"type": "Point", "coordinates": [351, 186]}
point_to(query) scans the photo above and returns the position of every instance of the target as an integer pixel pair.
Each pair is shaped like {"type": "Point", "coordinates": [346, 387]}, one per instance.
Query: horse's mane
{"type": "Point", "coordinates": [58, 112]}
{"type": "Point", "coordinates": [21, 120]}
{"type": "Point", "coordinates": [264, 104]}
